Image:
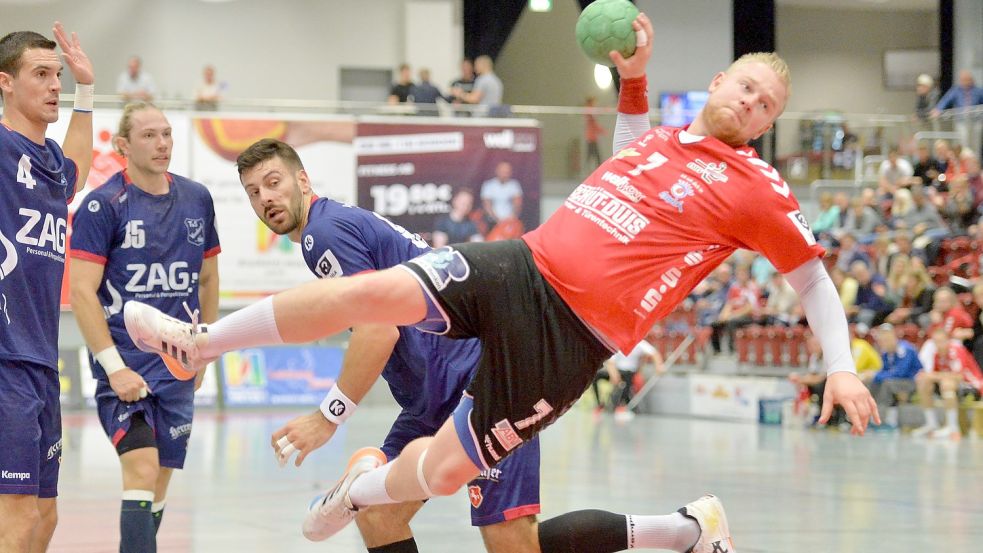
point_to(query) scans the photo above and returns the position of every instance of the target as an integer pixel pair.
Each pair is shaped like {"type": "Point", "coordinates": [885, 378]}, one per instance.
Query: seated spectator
{"type": "Point", "coordinates": [957, 210]}
{"type": "Point", "coordinates": [927, 169]}
{"type": "Point", "coordinates": [975, 178]}
{"type": "Point", "coordinates": [924, 221]}
{"type": "Point", "coordinates": [829, 215]}
{"type": "Point", "coordinates": [740, 309]}
{"type": "Point", "coordinates": [880, 254]}
{"type": "Point", "coordinates": [782, 307]}
{"type": "Point", "coordinates": [902, 245]}
{"type": "Point", "coordinates": [894, 172]}
{"type": "Point", "coordinates": [209, 92]}
{"type": "Point", "coordinates": [134, 84]}
{"type": "Point", "coordinates": [842, 201]}
{"type": "Point", "coordinates": [711, 294]}
{"type": "Point", "coordinates": [861, 221]}
{"type": "Point", "coordinates": [946, 313]}
{"type": "Point", "coordinates": [915, 299]}
{"type": "Point", "coordinates": [620, 370]}
{"type": "Point", "coordinates": [872, 305]}
{"type": "Point", "coordinates": [897, 271]}
{"type": "Point", "coordinates": [942, 155]}
{"type": "Point", "coordinates": [976, 340]}
{"type": "Point", "coordinates": [399, 93]}
{"type": "Point", "coordinates": [456, 226]}
{"type": "Point", "coordinates": [846, 286]}
{"type": "Point", "coordinates": [896, 378]}
{"type": "Point", "coordinates": [761, 270]}
{"type": "Point", "coordinates": [424, 94]}
{"type": "Point", "coordinates": [953, 366]}
{"type": "Point", "coordinates": [849, 252]}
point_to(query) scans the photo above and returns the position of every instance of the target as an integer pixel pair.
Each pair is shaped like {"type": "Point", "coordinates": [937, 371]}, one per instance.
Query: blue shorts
{"type": "Point", "coordinates": [168, 410]}
{"type": "Point", "coordinates": [509, 490]}
{"type": "Point", "coordinates": [30, 429]}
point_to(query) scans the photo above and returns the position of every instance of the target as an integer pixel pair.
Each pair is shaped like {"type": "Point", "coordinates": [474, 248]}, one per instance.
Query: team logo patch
{"type": "Point", "coordinates": [506, 435]}
{"type": "Point", "coordinates": [328, 266]}
{"type": "Point", "coordinates": [709, 172]}
{"type": "Point", "coordinates": [474, 495]}
{"type": "Point", "coordinates": [196, 231]}
{"type": "Point", "coordinates": [308, 242]}
{"type": "Point", "coordinates": [443, 265]}
{"type": "Point", "coordinates": [94, 206]}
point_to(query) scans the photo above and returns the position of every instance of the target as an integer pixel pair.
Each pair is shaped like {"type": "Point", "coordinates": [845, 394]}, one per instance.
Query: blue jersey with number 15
{"type": "Point", "coordinates": [38, 183]}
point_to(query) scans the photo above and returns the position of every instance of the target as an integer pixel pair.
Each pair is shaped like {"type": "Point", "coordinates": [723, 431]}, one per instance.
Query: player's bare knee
{"type": "Point", "coordinates": [141, 472]}
{"type": "Point", "coordinates": [519, 535]}
{"type": "Point", "coordinates": [47, 520]}
{"type": "Point", "coordinates": [446, 479]}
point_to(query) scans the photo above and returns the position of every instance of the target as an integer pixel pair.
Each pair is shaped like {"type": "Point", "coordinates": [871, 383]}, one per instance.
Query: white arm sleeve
{"type": "Point", "coordinates": [629, 128]}
{"type": "Point", "coordinates": [825, 314]}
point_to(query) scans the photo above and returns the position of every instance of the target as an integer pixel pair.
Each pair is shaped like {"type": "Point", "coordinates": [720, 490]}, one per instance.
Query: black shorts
{"type": "Point", "coordinates": [537, 356]}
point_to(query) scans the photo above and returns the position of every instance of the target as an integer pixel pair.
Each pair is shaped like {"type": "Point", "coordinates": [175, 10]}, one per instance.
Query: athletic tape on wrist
{"type": "Point", "coordinates": [110, 360]}
{"type": "Point", "coordinates": [633, 98]}
{"type": "Point", "coordinates": [337, 407]}
{"type": "Point", "coordinates": [83, 97]}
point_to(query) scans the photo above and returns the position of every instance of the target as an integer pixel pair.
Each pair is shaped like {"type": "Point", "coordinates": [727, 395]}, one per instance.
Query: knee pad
{"type": "Point", "coordinates": [139, 435]}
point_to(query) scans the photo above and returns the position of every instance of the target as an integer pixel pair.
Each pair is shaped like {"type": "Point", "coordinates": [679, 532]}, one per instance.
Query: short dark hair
{"type": "Point", "coordinates": [12, 48]}
{"type": "Point", "coordinates": [267, 149]}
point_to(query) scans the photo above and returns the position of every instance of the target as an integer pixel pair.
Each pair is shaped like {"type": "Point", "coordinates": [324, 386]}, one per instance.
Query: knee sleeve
{"type": "Point", "coordinates": [139, 435]}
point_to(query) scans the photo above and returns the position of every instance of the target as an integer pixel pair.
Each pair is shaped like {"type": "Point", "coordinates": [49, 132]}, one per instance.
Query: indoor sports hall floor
{"type": "Point", "coordinates": [785, 490]}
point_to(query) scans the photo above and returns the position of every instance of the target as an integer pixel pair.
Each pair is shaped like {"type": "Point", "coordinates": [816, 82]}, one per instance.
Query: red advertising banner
{"type": "Point", "coordinates": [451, 183]}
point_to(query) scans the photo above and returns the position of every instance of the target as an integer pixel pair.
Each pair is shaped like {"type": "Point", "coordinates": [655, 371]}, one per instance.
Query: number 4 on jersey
{"type": "Point", "coordinates": [24, 173]}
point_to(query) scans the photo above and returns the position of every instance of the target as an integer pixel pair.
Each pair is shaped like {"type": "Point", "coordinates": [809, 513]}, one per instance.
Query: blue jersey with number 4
{"type": "Point", "coordinates": [38, 183]}
{"type": "Point", "coordinates": [426, 372]}
{"type": "Point", "coordinates": [152, 248]}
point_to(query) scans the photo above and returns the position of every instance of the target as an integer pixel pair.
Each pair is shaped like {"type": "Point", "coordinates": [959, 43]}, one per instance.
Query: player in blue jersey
{"type": "Point", "coordinates": [145, 234]}
{"type": "Point", "coordinates": [39, 179]}
{"type": "Point", "coordinates": [426, 374]}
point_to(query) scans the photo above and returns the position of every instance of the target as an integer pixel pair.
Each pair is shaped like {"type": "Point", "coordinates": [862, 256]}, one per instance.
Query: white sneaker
{"type": "Point", "coordinates": [708, 512]}
{"type": "Point", "coordinates": [328, 514]}
{"type": "Point", "coordinates": [947, 432]}
{"type": "Point", "coordinates": [176, 341]}
{"type": "Point", "coordinates": [923, 431]}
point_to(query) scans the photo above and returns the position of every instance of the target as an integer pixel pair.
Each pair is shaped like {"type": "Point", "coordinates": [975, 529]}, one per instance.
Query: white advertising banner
{"type": "Point", "coordinates": [729, 397]}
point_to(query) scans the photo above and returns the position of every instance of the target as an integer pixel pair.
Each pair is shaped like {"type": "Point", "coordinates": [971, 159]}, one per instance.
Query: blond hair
{"type": "Point", "coordinates": [773, 61]}
{"type": "Point", "coordinates": [126, 121]}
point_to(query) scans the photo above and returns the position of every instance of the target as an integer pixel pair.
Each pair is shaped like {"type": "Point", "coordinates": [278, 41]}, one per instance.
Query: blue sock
{"type": "Point", "coordinates": [136, 523]}
{"type": "Point", "coordinates": [158, 516]}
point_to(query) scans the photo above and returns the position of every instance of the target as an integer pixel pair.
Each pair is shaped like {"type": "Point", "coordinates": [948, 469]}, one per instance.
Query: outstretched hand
{"type": "Point", "coordinates": [302, 435]}
{"type": "Point", "coordinates": [634, 66]}
{"type": "Point", "coordinates": [847, 390]}
{"type": "Point", "coordinates": [76, 59]}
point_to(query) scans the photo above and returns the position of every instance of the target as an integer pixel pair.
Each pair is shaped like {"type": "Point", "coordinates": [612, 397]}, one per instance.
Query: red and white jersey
{"type": "Point", "coordinates": [956, 358]}
{"type": "Point", "coordinates": [649, 224]}
{"type": "Point", "coordinates": [957, 317]}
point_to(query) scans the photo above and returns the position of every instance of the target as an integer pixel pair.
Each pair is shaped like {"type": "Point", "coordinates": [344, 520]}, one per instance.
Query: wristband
{"type": "Point", "coordinates": [633, 98]}
{"type": "Point", "coordinates": [110, 360]}
{"type": "Point", "coordinates": [83, 97]}
{"type": "Point", "coordinates": [337, 407]}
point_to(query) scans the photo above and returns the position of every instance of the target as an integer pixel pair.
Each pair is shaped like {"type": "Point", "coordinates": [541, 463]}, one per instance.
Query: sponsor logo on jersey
{"type": "Point", "coordinates": [615, 216]}
{"type": "Point", "coordinates": [196, 231]}
{"type": "Point", "coordinates": [678, 192]}
{"type": "Point", "coordinates": [622, 184]}
{"type": "Point", "coordinates": [178, 431]}
{"type": "Point", "coordinates": [328, 266]}
{"type": "Point", "coordinates": [709, 172]}
{"type": "Point", "coordinates": [693, 258]}
{"type": "Point", "coordinates": [491, 449]}
{"type": "Point", "coordinates": [663, 134]}
{"type": "Point", "coordinates": [54, 450]}
{"type": "Point", "coordinates": [442, 266]}
{"type": "Point", "coordinates": [8, 475]}
{"type": "Point", "coordinates": [474, 495]}
{"type": "Point", "coordinates": [43, 230]}
{"type": "Point", "coordinates": [9, 260]}
{"type": "Point", "coordinates": [493, 474]}
{"type": "Point", "coordinates": [94, 206]}
{"type": "Point", "coordinates": [123, 416]}
{"type": "Point", "coordinates": [309, 242]}
{"type": "Point", "coordinates": [506, 435]}
{"type": "Point", "coordinates": [159, 280]}
{"type": "Point", "coordinates": [626, 152]}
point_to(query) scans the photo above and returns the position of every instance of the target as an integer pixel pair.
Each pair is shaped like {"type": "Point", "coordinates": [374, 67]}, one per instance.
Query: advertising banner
{"type": "Point", "coordinates": [451, 183]}
{"type": "Point", "coordinates": [280, 375]}
{"type": "Point", "coordinates": [729, 397]}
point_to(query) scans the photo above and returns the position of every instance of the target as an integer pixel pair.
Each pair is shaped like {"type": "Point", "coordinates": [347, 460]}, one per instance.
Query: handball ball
{"type": "Point", "coordinates": [605, 25]}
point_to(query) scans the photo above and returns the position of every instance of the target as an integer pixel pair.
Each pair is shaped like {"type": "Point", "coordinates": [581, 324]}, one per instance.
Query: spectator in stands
{"type": "Point", "coordinates": [761, 270]}
{"type": "Point", "coordinates": [620, 370]}
{"type": "Point", "coordinates": [964, 94]}
{"type": "Point", "coordinates": [399, 93]}
{"type": "Point", "coordinates": [740, 309]}
{"type": "Point", "coordinates": [954, 165]}
{"type": "Point", "coordinates": [942, 153]}
{"type": "Point", "coordinates": [872, 305]}
{"type": "Point", "coordinates": [424, 94]}
{"type": "Point", "coordinates": [846, 286]}
{"type": "Point", "coordinates": [954, 367]}
{"type": "Point", "coordinates": [134, 84]}
{"type": "Point", "coordinates": [861, 221]}
{"type": "Point", "coordinates": [957, 210]}
{"type": "Point", "coordinates": [927, 168]}
{"type": "Point", "coordinates": [946, 313]}
{"type": "Point", "coordinates": [711, 294]}
{"type": "Point", "coordinates": [976, 341]}
{"type": "Point", "coordinates": [895, 171]}
{"type": "Point", "coordinates": [880, 254]}
{"type": "Point", "coordinates": [926, 96]}
{"type": "Point", "coordinates": [899, 365]}
{"type": "Point", "coordinates": [209, 92]}
{"type": "Point", "coordinates": [488, 88]}
{"type": "Point", "coordinates": [902, 244]}
{"type": "Point", "coordinates": [898, 268]}
{"type": "Point", "coordinates": [782, 307]}
{"type": "Point", "coordinates": [829, 217]}
{"type": "Point", "coordinates": [842, 201]}
{"type": "Point", "coordinates": [456, 226]}
{"type": "Point", "coordinates": [915, 299]}
{"type": "Point", "coordinates": [924, 220]}
{"type": "Point", "coordinates": [849, 252]}
{"type": "Point", "coordinates": [975, 178]}
{"type": "Point", "coordinates": [462, 86]}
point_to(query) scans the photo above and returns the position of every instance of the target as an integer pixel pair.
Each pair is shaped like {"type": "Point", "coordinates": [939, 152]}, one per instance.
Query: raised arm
{"type": "Point", "coordinates": [78, 139]}
{"type": "Point", "coordinates": [633, 107]}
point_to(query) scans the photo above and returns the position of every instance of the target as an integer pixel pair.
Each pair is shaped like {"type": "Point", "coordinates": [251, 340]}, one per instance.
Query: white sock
{"type": "Point", "coordinates": [892, 416]}
{"type": "Point", "coordinates": [138, 495]}
{"type": "Point", "coordinates": [952, 418]}
{"type": "Point", "coordinates": [158, 506]}
{"type": "Point", "coordinates": [370, 488]}
{"type": "Point", "coordinates": [931, 419]}
{"type": "Point", "coordinates": [249, 327]}
{"type": "Point", "coordinates": [673, 532]}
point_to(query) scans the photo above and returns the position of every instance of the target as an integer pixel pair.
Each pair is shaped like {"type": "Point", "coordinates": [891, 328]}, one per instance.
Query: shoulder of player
{"type": "Point", "coordinates": [109, 192]}
{"type": "Point", "coordinates": [186, 183]}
